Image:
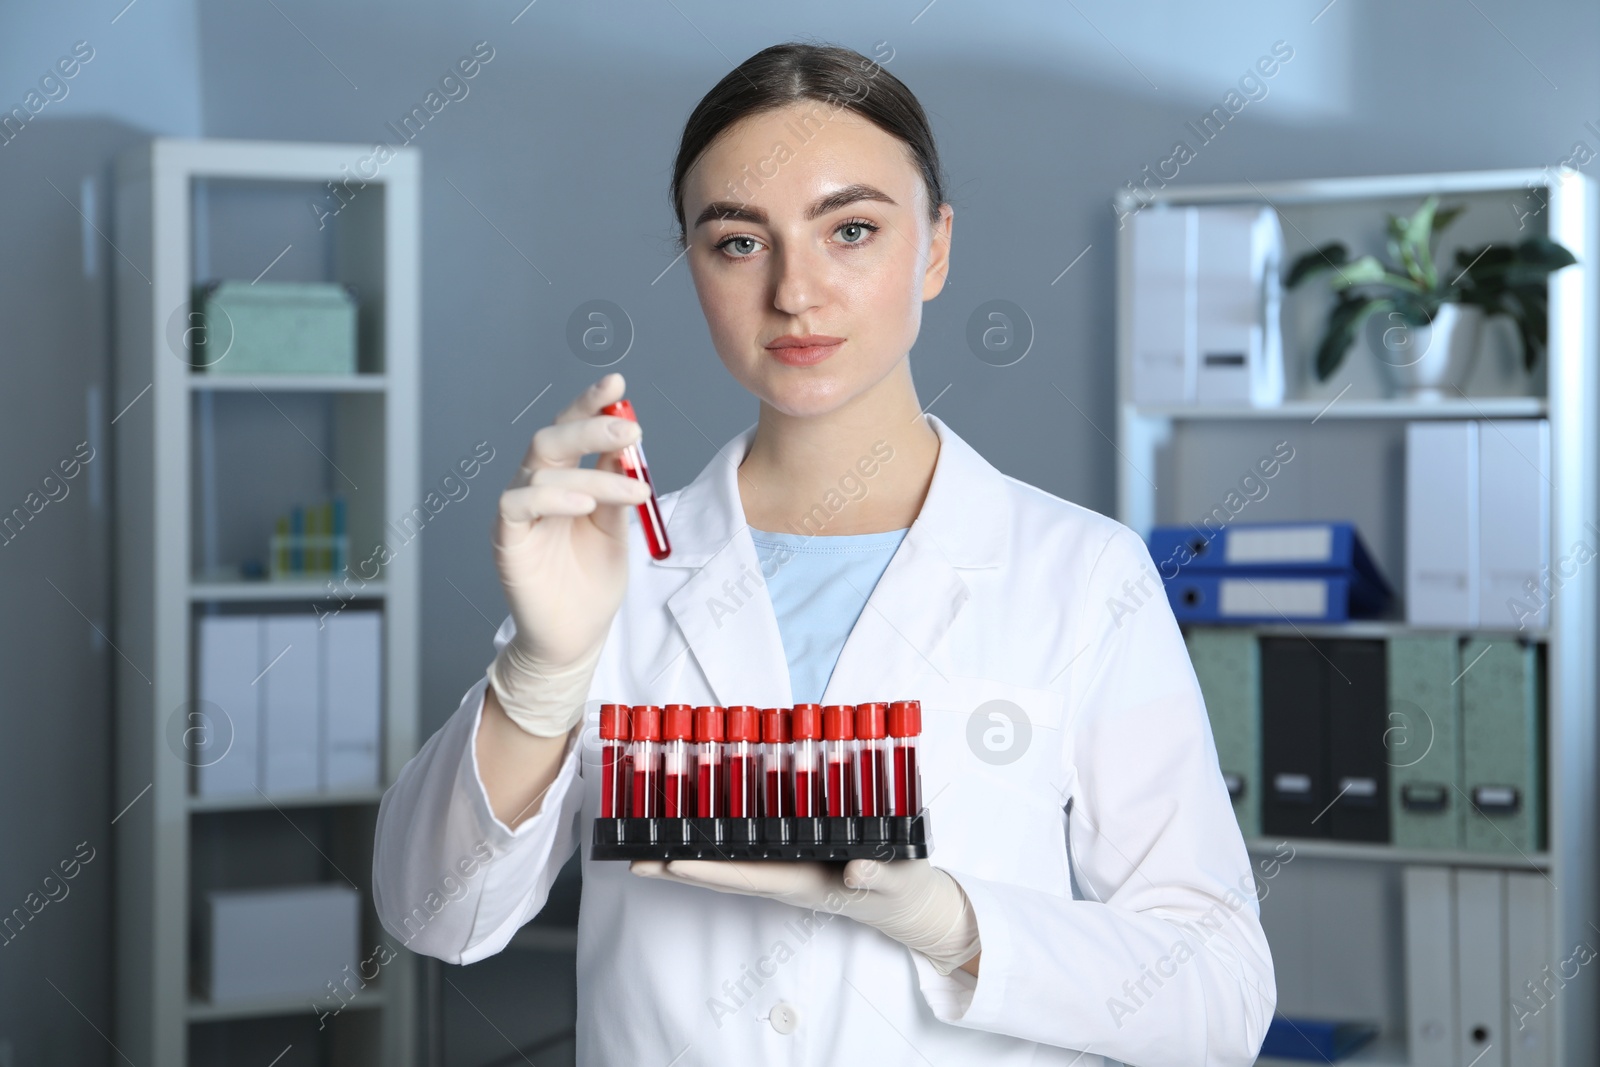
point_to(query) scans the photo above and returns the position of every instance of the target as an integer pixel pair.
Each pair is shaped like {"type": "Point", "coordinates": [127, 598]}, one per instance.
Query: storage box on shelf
{"type": "Point", "coordinates": [265, 717]}
{"type": "Point", "coordinates": [1464, 702]}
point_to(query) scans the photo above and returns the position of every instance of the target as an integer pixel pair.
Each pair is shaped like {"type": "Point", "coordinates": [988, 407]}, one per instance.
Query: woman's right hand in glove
{"type": "Point", "coordinates": [560, 545]}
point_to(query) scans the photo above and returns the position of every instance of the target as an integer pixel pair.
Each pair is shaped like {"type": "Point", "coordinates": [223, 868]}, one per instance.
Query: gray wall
{"type": "Point", "coordinates": [546, 187]}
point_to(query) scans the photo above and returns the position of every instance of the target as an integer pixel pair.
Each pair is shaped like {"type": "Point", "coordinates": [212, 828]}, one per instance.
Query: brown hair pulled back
{"type": "Point", "coordinates": [791, 73]}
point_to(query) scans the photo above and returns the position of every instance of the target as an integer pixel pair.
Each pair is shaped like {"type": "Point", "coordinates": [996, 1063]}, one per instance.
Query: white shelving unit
{"type": "Point", "coordinates": [180, 208]}
{"type": "Point", "coordinates": [1349, 437]}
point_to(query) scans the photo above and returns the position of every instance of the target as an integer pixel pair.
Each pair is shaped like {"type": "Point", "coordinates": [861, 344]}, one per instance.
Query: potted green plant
{"type": "Point", "coordinates": [1427, 335]}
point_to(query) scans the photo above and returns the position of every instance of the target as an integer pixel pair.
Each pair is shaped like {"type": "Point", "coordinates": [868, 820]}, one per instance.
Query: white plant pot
{"type": "Point", "coordinates": [1427, 362]}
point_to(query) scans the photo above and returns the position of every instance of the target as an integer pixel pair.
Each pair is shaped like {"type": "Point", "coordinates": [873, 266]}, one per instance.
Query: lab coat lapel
{"type": "Point", "coordinates": [964, 523]}
{"type": "Point", "coordinates": [723, 611]}
{"type": "Point", "coordinates": [726, 618]}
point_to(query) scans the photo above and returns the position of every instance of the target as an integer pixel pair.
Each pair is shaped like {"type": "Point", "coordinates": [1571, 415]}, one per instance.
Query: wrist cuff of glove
{"type": "Point", "coordinates": [959, 944]}
{"type": "Point", "coordinates": [545, 701]}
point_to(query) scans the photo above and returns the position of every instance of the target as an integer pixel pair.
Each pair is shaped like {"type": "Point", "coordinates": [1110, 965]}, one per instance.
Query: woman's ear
{"type": "Point", "coordinates": [938, 254]}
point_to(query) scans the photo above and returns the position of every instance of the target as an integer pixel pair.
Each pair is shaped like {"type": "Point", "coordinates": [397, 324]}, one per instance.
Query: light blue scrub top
{"type": "Point", "coordinates": [819, 586]}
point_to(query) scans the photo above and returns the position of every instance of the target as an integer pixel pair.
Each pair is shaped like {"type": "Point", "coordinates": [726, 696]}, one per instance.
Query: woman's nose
{"type": "Point", "coordinates": [797, 288]}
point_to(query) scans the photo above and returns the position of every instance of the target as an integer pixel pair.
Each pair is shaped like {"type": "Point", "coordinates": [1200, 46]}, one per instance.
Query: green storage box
{"type": "Point", "coordinates": [274, 328]}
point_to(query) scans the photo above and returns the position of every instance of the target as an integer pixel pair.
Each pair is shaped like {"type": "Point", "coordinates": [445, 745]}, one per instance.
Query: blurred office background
{"type": "Point", "coordinates": [544, 187]}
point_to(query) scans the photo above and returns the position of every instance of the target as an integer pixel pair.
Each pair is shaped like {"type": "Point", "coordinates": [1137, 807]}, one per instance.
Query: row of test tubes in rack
{"type": "Point", "coordinates": [838, 760]}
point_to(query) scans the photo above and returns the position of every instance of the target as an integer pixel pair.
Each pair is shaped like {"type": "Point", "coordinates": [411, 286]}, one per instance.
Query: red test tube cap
{"type": "Point", "coordinates": [838, 722]}
{"type": "Point", "coordinates": [677, 722]}
{"type": "Point", "coordinates": [775, 725]}
{"type": "Point", "coordinates": [905, 718]}
{"type": "Point", "coordinates": [744, 723]}
{"type": "Point", "coordinates": [614, 722]}
{"type": "Point", "coordinates": [708, 723]}
{"type": "Point", "coordinates": [872, 720]}
{"type": "Point", "coordinates": [647, 722]}
{"type": "Point", "coordinates": [622, 409]}
{"type": "Point", "coordinates": [805, 722]}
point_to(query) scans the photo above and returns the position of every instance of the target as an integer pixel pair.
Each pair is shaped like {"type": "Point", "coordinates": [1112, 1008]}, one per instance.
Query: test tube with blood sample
{"type": "Point", "coordinates": [646, 746]}
{"type": "Point", "coordinates": [905, 781]}
{"type": "Point", "coordinates": [872, 750]}
{"type": "Point", "coordinates": [805, 726]}
{"type": "Point", "coordinates": [838, 755]}
{"type": "Point", "coordinates": [777, 798]}
{"type": "Point", "coordinates": [633, 465]}
{"type": "Point", "coordinates": [677, 730]}
{"type": "Point", "coordinates": [710, 780]}
{"type": "Point", "coordinates": [740, 759]}
{"type": "Point", "coordinates": [615, 769]}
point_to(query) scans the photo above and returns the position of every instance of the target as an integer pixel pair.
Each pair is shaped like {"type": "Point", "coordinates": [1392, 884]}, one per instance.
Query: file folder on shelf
{"type": "Point", "coordinates": [1293, 743]}
{"type": "Point", "coordinates": [1222, 597]}
{"type": "Point", "coordinates": [1502, 761]}
{"type": "Point", "coordinates": [222, 727]}
{"type": "Point", "coordinates": [1423, 741]}
{"type": "Point", "coordinates": [1269, 572]}
{"type": "Point", "coordinates": [1442, 524]}
{"type": "Point", "coordinates": [1227, 664]}
{"type": "Point", "coordinates": [1355, 683]}
{"type": "Point", "coordinates": [1432, 1021]}
{"type": "Point", "coordinates": [1268, 547]}
{"type": "Point", "coordinates": [1315, 1040]}
{"type": "Point", "coordinates": [1514, 523]}
{"type": "Point", "coordinates": [1324, 711]}
{"type": "Point", "coordinates": [1532, 978]}
{"type": "Point", "coordinates": [1481, 966]}
{"type": "Point", "coordinates": [351, 704]}
{"type": "Point", "coordinates": [1478, 524]}
{"type": "Point", "coordinates": [1206, 299]}
{"type": "Point", "coordinates": [291, 706]}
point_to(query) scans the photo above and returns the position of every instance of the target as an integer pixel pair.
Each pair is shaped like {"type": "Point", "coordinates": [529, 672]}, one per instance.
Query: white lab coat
{"type": "Point", "coordinates": [1115, 900]}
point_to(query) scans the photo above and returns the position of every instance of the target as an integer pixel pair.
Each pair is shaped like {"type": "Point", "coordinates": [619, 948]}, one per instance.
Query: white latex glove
{"type": "Point", "coordinates": [912, 901]}
{"type": "Point", "coordinates": [561, 549]}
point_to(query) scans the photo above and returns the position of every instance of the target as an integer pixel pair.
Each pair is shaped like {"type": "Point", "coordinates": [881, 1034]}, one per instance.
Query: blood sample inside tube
{"type": "Point", "coordinates": [805, 729]}
{"type": "Point", "coordinates": [744, 736]}
{"type": "Point", "coordinates": [905, 780]}
{"type": "Point", "coordinates": [905, 725]}
{"type": "Point", "coordinates": [634, 466]}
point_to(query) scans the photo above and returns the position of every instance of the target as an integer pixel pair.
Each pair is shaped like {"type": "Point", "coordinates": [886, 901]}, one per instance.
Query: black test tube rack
{"type": "Point", "coordinates": [783, 838]}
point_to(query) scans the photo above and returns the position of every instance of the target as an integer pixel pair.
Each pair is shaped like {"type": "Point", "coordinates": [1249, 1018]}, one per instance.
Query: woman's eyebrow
{"type": "Point", "coordinates": [730, 211]}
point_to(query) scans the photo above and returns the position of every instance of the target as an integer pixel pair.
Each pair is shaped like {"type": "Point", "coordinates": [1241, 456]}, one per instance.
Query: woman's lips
{"type": "Point", "coordinates": [804, 355]}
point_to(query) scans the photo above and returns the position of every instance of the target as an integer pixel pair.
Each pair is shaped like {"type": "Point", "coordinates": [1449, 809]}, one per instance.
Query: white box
{"type": "Point", "coordinates": [1532, 971]}
{"type": "Point", "coordinates": [1205, 303]}
{"type": "Point", "coordinates": [287, 942]}
{"type": "Point", "coordinates": [1442, 524]}
{"type": "Point", "coordinates": [1481, 966]}
{"type": "Point", "coordinates": [1514, 525]}
{"type": "Point", "coordinates": [1161, 337]}
{"type": "Point", "coordinates": [291, 706]}
{"type": "Point", "coordinates": [222, 739]}
{"type": "Point", "coordinates": [1432, 1027]}
{"type": "Point", "coordinates": [352, 659]}
{"type": "Point", "coordinates": [1238, 342]}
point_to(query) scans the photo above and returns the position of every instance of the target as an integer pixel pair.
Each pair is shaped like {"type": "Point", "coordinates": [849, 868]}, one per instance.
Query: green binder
{"type": "Point", "coordinates": [1502, 760]}
{"type": "Point", "coordinates": [1227, 664]}
{"type": "Point", "coordinates": [1422, 742]}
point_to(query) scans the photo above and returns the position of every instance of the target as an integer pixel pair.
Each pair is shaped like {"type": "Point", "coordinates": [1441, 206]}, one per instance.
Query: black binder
{"type": "Point", "coordinates": [1293, 738]}
{"type": "Point", "coordinates": [1324, 709]}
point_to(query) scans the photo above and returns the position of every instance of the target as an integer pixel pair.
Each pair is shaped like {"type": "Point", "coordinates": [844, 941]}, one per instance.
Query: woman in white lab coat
{"type": "Point", "coordinates": [1089, 898]}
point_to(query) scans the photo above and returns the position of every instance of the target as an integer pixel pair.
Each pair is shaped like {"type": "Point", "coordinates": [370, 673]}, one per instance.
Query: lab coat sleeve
{"type": "Point", "coordinates": [1163, 962]}
{"type": "Point", "coordinates": [449, 879]}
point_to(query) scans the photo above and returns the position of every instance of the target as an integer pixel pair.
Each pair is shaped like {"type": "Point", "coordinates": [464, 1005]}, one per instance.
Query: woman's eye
{"type": "Point", "coordinates": [856, 231]}
{"type": "Point", "coordinates": [739, 246]}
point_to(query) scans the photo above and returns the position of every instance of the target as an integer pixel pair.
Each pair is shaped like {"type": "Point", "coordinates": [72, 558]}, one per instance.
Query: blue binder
{"type": "Point", "coordinates": [1194, 563]}
{"type": "Point", "coordinates": [1316, 1040]}
{"type": "Point", "coordinates": [1241, 597]}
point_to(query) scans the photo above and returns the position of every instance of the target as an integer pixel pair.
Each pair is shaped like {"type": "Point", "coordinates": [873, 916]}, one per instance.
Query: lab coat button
{"type": "Point", "coordinates": [784, 1017]}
